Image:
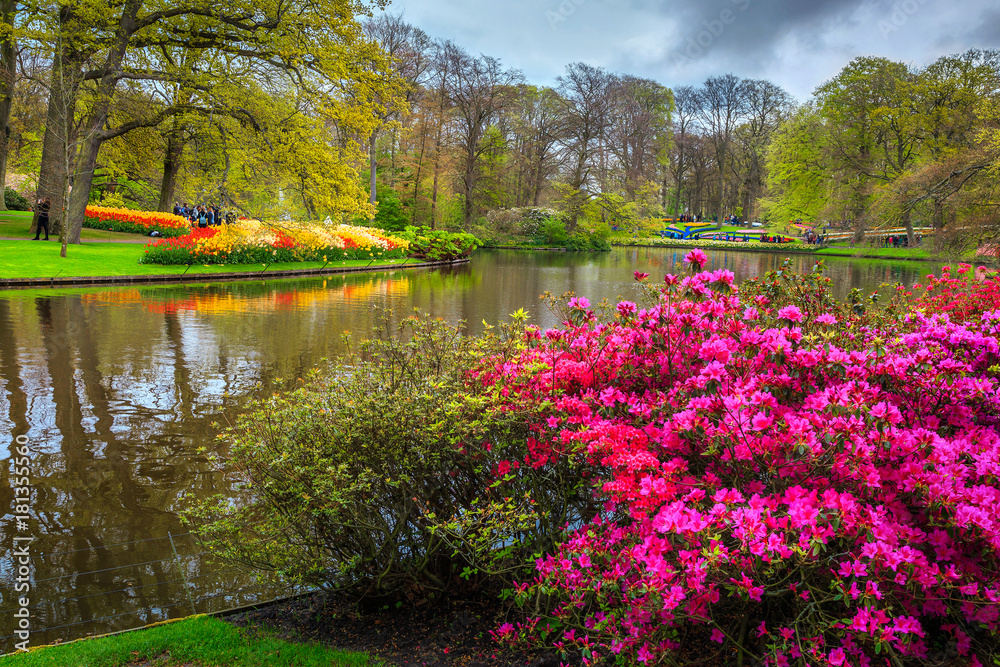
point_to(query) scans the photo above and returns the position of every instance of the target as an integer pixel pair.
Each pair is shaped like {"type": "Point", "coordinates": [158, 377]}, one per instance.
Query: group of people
{"type": "Point", "coordinates": [812, 238]}
{"type": "Point", "coordinates": [774, 239]}
{"type": "Point", "coordinates": [897, 241]}
{"type": "Point", "coordinates": [203, 216]}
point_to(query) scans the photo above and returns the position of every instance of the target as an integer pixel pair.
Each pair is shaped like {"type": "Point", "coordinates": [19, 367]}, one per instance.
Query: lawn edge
{"type": "Point", "coordinates": [204, 277]}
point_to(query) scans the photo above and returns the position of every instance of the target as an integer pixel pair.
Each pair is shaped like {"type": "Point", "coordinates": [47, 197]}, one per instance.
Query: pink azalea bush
{"type": "Point", "coordinates": [783, 483]}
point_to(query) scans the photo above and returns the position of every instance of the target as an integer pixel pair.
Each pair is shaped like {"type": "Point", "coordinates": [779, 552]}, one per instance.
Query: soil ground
{"type": "Point", "coordinates": [443, 633]}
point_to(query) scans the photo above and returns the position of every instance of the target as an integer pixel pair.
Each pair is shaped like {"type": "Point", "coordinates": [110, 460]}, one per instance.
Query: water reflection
{"type": "Point", "coordinates": [118, 390]}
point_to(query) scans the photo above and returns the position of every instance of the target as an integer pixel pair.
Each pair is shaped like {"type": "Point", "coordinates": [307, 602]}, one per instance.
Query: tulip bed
{"type": "Point", "coordinates": [137, 222]}
{"type": "Point", "coordinates": [785, 479]}
{"type": "Point", "coordinates": [252, 241]}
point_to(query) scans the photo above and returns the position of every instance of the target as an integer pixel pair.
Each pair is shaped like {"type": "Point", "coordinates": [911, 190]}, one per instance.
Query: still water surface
{"type": "Point", "coordinates": [118, 390]}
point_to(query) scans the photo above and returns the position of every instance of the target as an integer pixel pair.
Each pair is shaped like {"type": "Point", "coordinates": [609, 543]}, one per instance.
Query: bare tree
{"type": "Point", "coordinates": [639, 129]}
{"type": "Point", "coordinates": [723, 108]}
{"type": "Point", "coordinates": [587, 101]}
{"type": "Point", "coordinates": [767, 105]}
{"type": "Point", "coordinates": [408, 49]}
{"type": "Point", "coordinates": [479, 89]}
{"type": "Point", "coordinates": [537, 127]}
{"type": "Point", "coordinates": [687, 107]}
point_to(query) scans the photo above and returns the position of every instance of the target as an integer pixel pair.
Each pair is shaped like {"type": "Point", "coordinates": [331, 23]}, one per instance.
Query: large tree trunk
{"type": "Point", "coordinates": [59, 131]}
{"type": "Point", "coordinates": [372, 170]}
{"type": "Point", "coordinates": [908, 223]}
{"type": "Point", "coordinates": [82, 182]}
{"type": "Point", "coordinates": [171, 167]}
{"type": "Point", "coordinates": [8, 68]}
{"type": "Point", "coordinates": [93, 128]}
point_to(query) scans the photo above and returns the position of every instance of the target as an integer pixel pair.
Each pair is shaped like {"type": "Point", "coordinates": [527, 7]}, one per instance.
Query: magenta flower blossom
{"type": "Point", "coordinates": [696, 258]}
{"type": "Point", "coordinates": [790, 313]}
{"type": "Point", "coordinates": [626, 308]}
{"type": "Point", "coordinates": [736, 461]}
{"type": "Point", "coordinates": [579, 302]}
{"type": "Point", "coordinates": [640, 276]}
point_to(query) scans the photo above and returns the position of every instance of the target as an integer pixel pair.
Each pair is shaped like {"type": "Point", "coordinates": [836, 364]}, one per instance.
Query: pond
{"type": "Point", "coordinates": [118, 393]}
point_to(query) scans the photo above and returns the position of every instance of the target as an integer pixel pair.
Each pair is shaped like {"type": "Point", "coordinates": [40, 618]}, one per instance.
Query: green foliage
{"type": "Point", "coordinates": [595, 240]}
{"type": "Point", "coordinates": [384, 474]}
{"type": "Point", "coordinates": [15, 201]}
{"type": "Point", "coordinates": [552, 232]}
{"type": "Point", "coordinates": [797, 172]}
{"type": "Point", "coordinates": [390, 215]}
{"type": "Point", "coordinates": [438, 245]}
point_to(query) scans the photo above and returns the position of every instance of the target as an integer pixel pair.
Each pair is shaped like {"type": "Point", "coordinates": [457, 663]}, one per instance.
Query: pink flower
{"type": "Point", "coordinates": [640, 276]}
{"type": "Point", "coordinates": [579, 302]}
{"type": "Point", "coordinates": [761, 421]}
{"type": "Point", "coordinates": [826, 318]}
{"type": "Point", "coordinates": [790, 313]}
{"type": "Point", "coordinates": [626, 308]}
{"type": "Point", "coordinates": [837, 657]}
{"type": "Point", "coordinates": [718, 636]}
{"type": "Point", "coordinates": [696, 258]}
{"type": "Point", "coordinates": [644, 655]}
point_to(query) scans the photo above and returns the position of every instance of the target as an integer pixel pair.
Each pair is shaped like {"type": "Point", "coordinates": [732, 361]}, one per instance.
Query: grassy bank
{"type": "Point", "coordinates": [34, 259]}
{"type": "Point", "coordinates": [202, 641]}
{"type": "Point", "coordinates": [888, 253]}
{"type": "Point", "coordinates": [15, 225]}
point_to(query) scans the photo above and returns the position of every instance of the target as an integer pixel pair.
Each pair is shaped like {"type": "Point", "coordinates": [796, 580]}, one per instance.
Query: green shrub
{"type": "Point", "coordinates": [15, 201]}
{"type": "Point", "coordinates": [390, 215]}
{"type": "Point", "coordinates": [386, 474]}
{"type": "Point", "coordinates": [552, 232]}
{"type": "Point", "coordinates": [438, 245]}
{"type": "Point", "coordinates": [590, 241]}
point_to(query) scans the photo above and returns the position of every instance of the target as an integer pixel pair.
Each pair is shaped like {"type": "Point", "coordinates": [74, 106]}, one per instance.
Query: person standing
{"type": "Point", "coordinates": [42, 208]}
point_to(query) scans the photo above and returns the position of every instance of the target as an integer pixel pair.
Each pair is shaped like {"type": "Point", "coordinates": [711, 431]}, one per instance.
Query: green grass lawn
{"type": "Point", "coordinates": [201, 640]}
{"type": "Point", "coordinates": [15, 225]}
{"type": "Point", "coordinates": [893, 253]}
{"type": "Point", "coordinates": [35, 259]}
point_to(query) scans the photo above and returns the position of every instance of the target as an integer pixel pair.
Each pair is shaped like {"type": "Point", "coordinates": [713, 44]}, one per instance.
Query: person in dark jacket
{"type": "Point", "coordinates": [42, 208]}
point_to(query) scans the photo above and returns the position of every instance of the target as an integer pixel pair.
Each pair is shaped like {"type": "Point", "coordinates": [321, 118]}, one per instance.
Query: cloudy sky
{"type": "Point", "coordinates": [798, 44]}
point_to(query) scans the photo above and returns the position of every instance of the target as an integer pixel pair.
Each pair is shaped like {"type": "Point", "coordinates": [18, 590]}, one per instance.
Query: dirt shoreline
{"type": "Point", "coordinates": [429, 633]}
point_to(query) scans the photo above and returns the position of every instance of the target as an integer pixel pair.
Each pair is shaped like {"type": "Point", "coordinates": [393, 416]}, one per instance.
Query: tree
{"type": "Point", "coordinates": [479, 89]}
{"type": "Point", "coordinates": [686, 110]}
{"type": "Point", "coordinates": [407, 49]}
{"type": "Point", "coordinates": [586, 97]}
{"type": "Point", "coordinates": [8, 75]}
{"type": "Point", "coordinates": [767, 105]}
{"type": "Point", "coordinates": [871, 130]}
{"type": "Point", "coordinates": [537, 129]}
{"type": "Point", "coordinates": [723, 106]}
{"type": "Point", "coordinates": [798, 177]}
{"type": "Point", "coordinates": [639, 131]}
{"type": "Point", "coordinates": [316, 47]}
